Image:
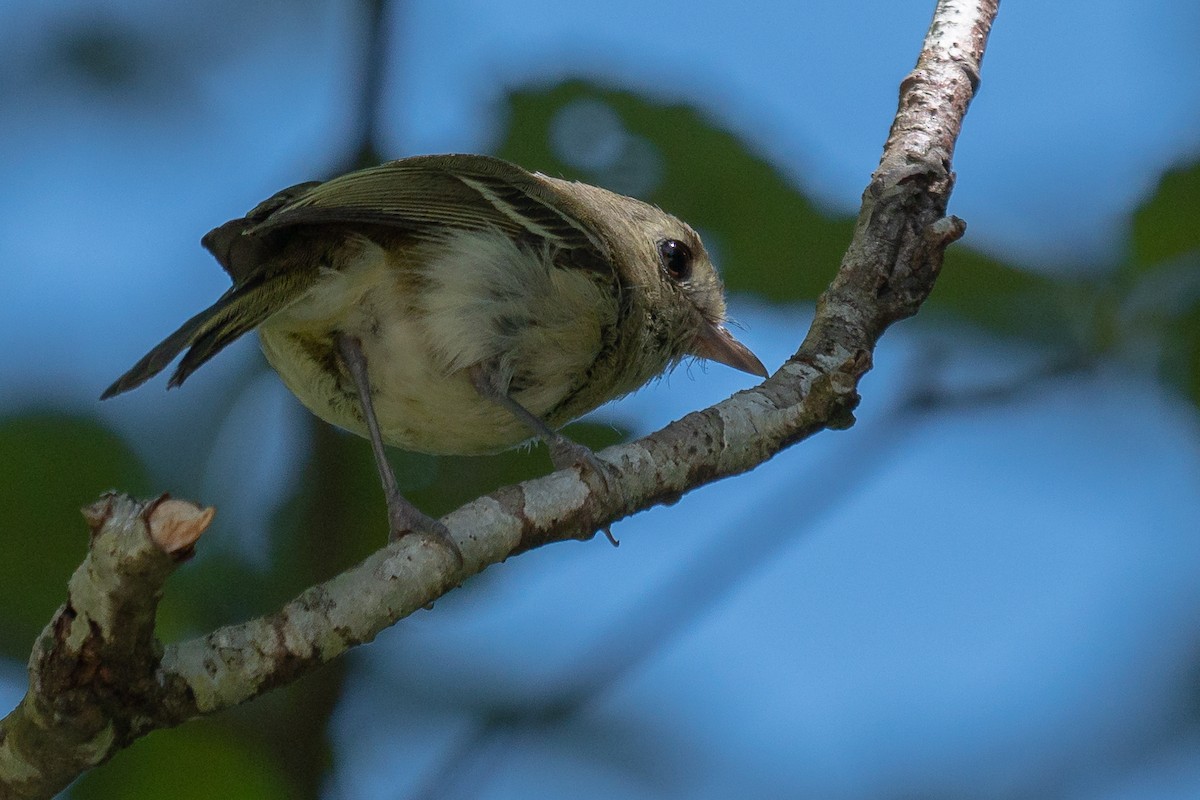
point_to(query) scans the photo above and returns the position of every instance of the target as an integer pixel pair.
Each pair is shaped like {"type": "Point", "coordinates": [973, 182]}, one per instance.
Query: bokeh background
{"type": "Point", "coordinates": [988, 588]}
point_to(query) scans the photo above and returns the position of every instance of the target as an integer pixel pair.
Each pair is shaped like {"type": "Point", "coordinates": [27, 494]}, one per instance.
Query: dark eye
{"type": "Point", "coordinates": [676, 258]}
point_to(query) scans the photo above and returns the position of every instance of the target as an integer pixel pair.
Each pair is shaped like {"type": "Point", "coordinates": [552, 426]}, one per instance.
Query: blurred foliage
{"type": "Point", "coordinates": [769, 240]}
{"type": "Point", "coordinates": [51, 466]}
{"type": "Point", "coordinates": [1167, 226]}
{"type": "Point", "coordinates": [104, 53]}
{"type": "Point", "coordinates": [199, 760]}
{"type": "Point", "coordinates": [1000, 297]}
{"type": "Point", "coordinates": [1156, 292]}
{"type": "Point", "coordinates": [1187, 358]}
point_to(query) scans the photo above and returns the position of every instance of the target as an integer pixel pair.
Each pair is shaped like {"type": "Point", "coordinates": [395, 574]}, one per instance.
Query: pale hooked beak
{"type": "Point", "coordinates": [717, 344]}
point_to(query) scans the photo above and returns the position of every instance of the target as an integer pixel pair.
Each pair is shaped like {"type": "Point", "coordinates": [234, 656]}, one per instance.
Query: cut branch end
{"type": "Point", "coordinates": [175, 525]}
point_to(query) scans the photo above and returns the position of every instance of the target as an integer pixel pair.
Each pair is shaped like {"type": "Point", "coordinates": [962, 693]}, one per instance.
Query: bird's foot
{"type": "Point", "coordinates": [565, 454]}
{"type": "Point", "coordinates": [404, 518]}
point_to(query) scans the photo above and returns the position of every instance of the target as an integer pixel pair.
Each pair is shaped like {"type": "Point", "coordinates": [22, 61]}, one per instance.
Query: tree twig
{"type": "Point", "coordinates": [97, 680]}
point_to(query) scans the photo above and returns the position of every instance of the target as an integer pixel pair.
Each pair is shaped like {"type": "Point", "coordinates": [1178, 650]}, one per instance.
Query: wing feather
{"type": "Point", "coordinates": [427, 195]}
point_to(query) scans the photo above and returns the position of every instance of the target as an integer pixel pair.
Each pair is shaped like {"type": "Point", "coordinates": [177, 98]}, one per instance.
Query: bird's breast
{"type": "Point", "coordinates": [424, 318]}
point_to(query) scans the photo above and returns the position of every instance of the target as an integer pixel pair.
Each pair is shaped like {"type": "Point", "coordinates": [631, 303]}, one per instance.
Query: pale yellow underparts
{"type": "Point", "coordinates": [480, 300]}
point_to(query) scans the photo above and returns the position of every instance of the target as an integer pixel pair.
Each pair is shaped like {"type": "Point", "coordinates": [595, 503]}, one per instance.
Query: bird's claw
{"type": "Point", "coordinates": [566, 454]}
{"type": "Point", "coordinates": [405, 519]}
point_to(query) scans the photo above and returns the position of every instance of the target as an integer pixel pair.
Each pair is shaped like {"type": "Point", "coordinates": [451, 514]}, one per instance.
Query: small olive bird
{"type": "Point", "coordinates": [457, 304]}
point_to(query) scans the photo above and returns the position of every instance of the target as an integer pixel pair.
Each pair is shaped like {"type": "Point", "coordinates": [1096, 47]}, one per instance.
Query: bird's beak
{"type": "Point", "coordinates": [717, 344]}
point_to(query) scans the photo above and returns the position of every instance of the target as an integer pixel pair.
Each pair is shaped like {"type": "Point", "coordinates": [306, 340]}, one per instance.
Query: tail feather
{"type": "Point", "coordinates": [228, 326]}
{"type": "Point", "coordinates": [263, 284]}
{"type": "Point", "coordinates": [238, 311]}
{"type": "Point", "coordinates": [164, 353]}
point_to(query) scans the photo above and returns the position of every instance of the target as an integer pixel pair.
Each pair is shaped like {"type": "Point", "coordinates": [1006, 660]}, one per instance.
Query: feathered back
{"type": "Point", "coordinates": [272, 262]}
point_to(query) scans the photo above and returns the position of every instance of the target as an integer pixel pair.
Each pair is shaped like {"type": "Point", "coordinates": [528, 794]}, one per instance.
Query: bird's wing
{"type": "Point", "coordinates": [428, 196]}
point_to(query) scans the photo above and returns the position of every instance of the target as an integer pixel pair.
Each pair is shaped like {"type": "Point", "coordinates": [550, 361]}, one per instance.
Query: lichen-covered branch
{"type": "Point", "coordinates": [93, 675]}
{"type": "Point", "coordinates": [98, 678]}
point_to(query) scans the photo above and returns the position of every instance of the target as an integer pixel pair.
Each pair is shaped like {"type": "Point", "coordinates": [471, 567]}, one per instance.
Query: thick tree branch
{"type": "Point", "coordinates": [97, 680]}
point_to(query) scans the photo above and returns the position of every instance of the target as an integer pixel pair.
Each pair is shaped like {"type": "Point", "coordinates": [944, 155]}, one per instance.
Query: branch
{"type": "Point", "coordinates": [93, 672]}
{"type": "Point", "coordinates": [97, 680]}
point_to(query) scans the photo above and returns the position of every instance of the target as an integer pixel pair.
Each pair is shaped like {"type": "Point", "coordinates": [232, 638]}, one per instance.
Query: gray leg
{"type": "Point", "coordinates": [403, 516]}
{"type": "Point", "coordinates": [563, 452]}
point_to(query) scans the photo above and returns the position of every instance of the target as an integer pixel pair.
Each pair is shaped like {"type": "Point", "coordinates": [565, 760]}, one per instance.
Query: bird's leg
{"type": "Point", "coordinates": [403, 516]}
{"type": "Point", "coordinates": [564, 453]}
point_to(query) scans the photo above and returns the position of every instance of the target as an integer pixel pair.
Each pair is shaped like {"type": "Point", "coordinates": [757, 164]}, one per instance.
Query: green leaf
{"type": "Point", "coordinates": [766, 237]}
{"type": "Point", "coordinates": [1014, 302]}
{"type": "Point", "coordinates": [1168, 224]}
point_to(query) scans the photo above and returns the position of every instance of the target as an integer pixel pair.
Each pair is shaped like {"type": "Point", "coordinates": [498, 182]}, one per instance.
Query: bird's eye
{"type": "Point", "coordinates": [676, 259]}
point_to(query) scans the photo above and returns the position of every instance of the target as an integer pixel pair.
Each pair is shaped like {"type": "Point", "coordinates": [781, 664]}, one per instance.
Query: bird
{"type": "Point", "coordinates": [457, 304]}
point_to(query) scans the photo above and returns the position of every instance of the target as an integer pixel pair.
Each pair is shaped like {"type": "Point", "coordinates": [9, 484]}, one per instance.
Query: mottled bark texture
{"type": "Point", "coordinates": [99, 678]}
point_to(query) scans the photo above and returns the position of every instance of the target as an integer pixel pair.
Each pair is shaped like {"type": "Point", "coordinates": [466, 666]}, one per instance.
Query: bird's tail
{"type": "Point", "coordinates": [239, 310]}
